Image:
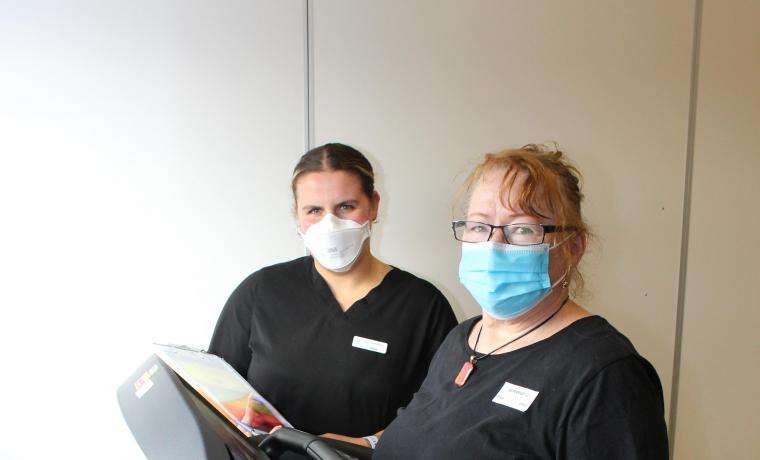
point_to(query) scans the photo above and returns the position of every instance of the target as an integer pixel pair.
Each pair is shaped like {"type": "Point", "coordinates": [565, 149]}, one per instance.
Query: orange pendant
{"type": "Point", "coordinates": [464, 373]}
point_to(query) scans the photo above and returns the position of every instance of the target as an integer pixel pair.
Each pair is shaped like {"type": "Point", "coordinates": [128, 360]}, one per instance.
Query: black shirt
{"type": "Point", "coordinates": [597, 398]}
{"type": "Point", "coordinates": [283, 329]}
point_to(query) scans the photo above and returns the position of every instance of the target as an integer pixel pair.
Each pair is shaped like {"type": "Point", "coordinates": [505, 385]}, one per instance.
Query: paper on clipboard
{"type": "Point", "coordinates": [226, 390]}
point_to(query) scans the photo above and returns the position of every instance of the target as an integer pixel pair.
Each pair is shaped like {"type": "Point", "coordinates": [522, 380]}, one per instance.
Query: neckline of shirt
{"type": "Point", "coordinates": [321, 286]}
{"type": "Point", "coordinates": [543, 342]}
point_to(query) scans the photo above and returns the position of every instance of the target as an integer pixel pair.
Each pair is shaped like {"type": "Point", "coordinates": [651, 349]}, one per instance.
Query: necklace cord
{"type": "Point", "coordinates": [474, 359]}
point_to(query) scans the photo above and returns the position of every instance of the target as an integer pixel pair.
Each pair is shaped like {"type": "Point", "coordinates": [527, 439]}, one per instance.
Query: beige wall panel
{"type": "Point", "coordinates": [718, 413]}
{"type": "Point", "coordinates": [424, 87]}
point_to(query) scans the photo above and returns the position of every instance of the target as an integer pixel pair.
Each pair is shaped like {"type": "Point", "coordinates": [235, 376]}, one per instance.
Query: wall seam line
{"type": "Point", "coordinates": [686, 220]}
{"type": "Point", "coordinates": [308, 75]}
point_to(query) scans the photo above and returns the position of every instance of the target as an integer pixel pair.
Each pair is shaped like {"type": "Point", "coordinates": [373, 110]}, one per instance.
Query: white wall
{"type": "Point", "coordinates": [719, 397]}
{"type": "Point", "coordinates": [425, 87]}
{"type": "Point", "coordinates": [146, 149]}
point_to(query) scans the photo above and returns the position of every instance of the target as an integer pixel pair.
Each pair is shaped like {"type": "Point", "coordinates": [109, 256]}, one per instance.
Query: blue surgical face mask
{"type": "Point", "coordinates": [507, 280]}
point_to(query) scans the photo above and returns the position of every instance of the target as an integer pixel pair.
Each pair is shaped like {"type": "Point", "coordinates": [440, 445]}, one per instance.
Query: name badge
{"type": "Point", "coordinates": [515, 396]}
{"type": "Point", "coordinates": [369, 344]}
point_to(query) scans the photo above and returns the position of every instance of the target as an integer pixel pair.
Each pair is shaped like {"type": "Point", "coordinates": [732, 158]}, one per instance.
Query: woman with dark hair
{"type": "Point", "coordinates": [337, 340]}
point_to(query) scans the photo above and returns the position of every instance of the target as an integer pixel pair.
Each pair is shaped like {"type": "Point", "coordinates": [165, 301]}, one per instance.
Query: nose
{"type": "Point", "coordinates": [498, 235]}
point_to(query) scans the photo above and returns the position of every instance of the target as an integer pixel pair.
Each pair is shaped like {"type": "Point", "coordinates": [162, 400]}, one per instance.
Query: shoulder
{"type": "Point", "coordinates": [591, 346]}
{"type": "Point", "coordinates": [618, 396]}
{"type": "Point", "coordinates": [420, 299]}
{"type": "Point", "coordinates": [290, 271]}
{"type": "Point", "coordinates": [414, 285]}
{"type": "Point", "coordinates": [295, 266]}
{"type": "Point", "coordinates": [459, 333]}
{"type": "Point", "coordinates": [463, 329]}
{"type": "Point", "coordinates": [595, 335]}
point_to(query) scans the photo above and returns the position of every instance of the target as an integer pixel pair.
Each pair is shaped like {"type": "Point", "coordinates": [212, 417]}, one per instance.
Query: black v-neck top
{"type": "Point", "coordinates": [283, 330]}
{"type": "Point", "coordinates": [597, 398]}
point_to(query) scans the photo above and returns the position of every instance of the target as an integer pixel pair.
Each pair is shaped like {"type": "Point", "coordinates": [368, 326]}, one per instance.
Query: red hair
{"type": "Point", "coordinates": [550, 188]}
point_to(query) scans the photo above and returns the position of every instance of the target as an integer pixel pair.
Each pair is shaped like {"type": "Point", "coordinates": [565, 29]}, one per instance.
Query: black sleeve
{"type": "Point", "coordinates": [441, 323]}
{"type": "Point", "coordinates": [233, 329]}
{"type": "Point", "coordinates": [619, 415]}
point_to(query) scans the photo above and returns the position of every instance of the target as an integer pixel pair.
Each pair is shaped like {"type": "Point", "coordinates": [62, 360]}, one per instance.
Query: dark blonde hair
{"type": "Point", "coordinates": [336, 157]}
{"type": "Point", "coordinates": [551, 185]}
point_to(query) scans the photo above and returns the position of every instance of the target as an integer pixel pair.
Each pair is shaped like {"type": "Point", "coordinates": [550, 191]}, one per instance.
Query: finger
{"type": "Point", "coordinates": [249, 412]}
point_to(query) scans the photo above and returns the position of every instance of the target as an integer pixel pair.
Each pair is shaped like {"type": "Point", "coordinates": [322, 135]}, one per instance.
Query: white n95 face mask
{"type": "Point", "coordinates": [336, 243]}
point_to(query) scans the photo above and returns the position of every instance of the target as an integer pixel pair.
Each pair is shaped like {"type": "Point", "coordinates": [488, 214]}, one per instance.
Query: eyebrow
{"type": "Point", "coordinates": [513, 217]}
{"type": "Point", "coordinates": [313, 206]}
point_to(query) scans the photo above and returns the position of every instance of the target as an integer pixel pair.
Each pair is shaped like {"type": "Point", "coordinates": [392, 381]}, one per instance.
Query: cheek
{"type": "Point", "coordinates": [358, 215]}
{"type": "Point", "coordinates": [306, 221]}
{"type": "Point", "coordinates": [557, 264]}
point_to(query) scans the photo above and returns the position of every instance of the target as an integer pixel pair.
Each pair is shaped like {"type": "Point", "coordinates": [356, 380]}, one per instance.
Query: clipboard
{"type": "Point", "coordinates": [226, 390]}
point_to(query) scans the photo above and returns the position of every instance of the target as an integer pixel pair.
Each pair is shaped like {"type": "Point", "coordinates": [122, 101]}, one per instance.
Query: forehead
{"type": "Point", "coordinates": [494, 199]}
{"type": "Point", "coordinates": [341, 185]}
{"type": "Point", "coordinates": [487, 193]}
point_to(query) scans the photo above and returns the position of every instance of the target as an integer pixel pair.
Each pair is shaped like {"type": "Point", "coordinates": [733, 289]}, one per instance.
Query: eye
{"type": "Point", "coordinates": [477, 227]}
{"type": "Point", "coordinates": [525, 234]}
{"type": "Point", "coordinates": [313, 210]}
{"type": "Point", "coordinates": [523, 230]}
{"type": "Point", "coordinates": [347, 207]}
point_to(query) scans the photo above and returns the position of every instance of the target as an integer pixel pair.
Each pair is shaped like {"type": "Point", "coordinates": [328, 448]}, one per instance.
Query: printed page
{"type": "Point", "coordinates": [225, 389]}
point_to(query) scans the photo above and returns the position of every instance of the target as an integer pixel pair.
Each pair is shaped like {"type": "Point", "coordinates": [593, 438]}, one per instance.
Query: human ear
{"type": "Point", "coordinates": [578, 244]}
{"type": "Point", "coordinates": [375, 207]}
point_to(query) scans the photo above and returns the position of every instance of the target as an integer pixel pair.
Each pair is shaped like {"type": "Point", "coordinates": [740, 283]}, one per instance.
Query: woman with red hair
{"type": "Point", "coordinates": [536, 375]}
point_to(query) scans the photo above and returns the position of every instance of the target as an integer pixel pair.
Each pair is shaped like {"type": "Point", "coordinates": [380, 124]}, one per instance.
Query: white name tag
{"type": "Point", "coordinates": [369, 344]}
{"type": "Point", "coordinates": [515, 396]}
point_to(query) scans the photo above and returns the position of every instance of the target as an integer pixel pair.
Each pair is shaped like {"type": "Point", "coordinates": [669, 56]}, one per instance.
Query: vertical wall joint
{"type": "Point", "coordinates": [695, 52]}
{"type": "Point", "coordinates": [308, 75]}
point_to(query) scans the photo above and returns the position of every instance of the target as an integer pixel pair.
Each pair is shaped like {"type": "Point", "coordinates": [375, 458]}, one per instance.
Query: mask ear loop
{"type": "Point", "coordinates": [572, 234]}
{"type": "Point", "coordinates": [565, 282]}
{"type": "Point", "coordinates": [562, 279]}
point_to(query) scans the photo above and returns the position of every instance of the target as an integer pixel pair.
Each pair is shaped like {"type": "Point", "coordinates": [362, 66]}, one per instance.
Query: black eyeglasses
{"type": "Point", "coordinates": [470, 231]}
